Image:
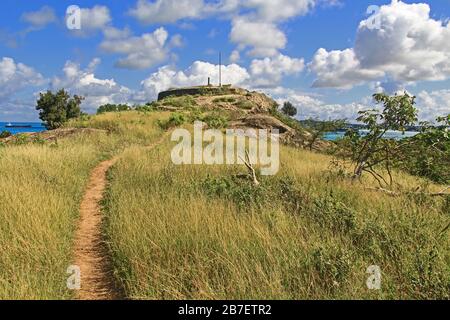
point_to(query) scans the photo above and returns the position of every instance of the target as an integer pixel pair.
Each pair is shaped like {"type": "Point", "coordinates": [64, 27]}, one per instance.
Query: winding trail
{"type": "Point", "coordinates": [91, 252]}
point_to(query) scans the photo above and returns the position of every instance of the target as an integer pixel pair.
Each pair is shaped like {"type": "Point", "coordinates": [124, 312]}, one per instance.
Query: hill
{"type": "Point", "coordinates": [238, 108]}
{"type": "Point", "coordinates": [206, 231]}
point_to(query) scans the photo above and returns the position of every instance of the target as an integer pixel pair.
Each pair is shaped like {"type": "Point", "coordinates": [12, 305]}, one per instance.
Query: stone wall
{"type": "Point", "coordinates": [205, 90]}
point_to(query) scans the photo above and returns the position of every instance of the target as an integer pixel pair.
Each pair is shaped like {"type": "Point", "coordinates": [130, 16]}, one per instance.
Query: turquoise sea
{"type": "Point", "coordinates": [397, 135]}
{"type": "Point", "coordinates": [21, 127]}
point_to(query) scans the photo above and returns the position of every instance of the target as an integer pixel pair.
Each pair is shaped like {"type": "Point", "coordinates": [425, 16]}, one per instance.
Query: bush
{"type": "Point", "coordinates": [112, 108]}
{"type": "Point", "coordinates": [57, 108]}
{"type": "Point", "coordinates": [289, 109]}
{"type": "Point", "coordinates": [5, 134]}
{"type": "Point", "coordinates": [175, 120]}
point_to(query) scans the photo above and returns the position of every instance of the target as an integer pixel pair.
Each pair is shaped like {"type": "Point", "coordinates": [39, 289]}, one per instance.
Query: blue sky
{"type": "Point", "coordinates": [323, 55]}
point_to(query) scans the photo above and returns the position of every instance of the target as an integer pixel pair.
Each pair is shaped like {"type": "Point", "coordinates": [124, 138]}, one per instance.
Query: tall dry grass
{"type": "Point", "coordinates": [41, 186]}
{"type": "Point", "coordinates": [195, 232]}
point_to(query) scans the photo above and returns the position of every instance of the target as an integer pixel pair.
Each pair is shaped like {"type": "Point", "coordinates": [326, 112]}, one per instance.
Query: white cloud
{"type": "Point", "coordinates": [409, 46]}
{"type": "Point", "coordinates": [41, 18]}
{"type": "Point", "coordinates": [269, 71]}
{"type": "Point", "coordinates": [433, 104]}
{"type": "Point", "coordinates": [255, 23]}
{"type": "Point", "coordinates": [264, 38]}
{"type": "Point", "coordinates": [269, 10]}
{"type": "Point", "coordinates": [235, 56]}
{"type": "Point", "coordinates": [166, 11]}
{"type": "Point", "coordinates": [16, 76]}
{"type": "Point", "coordinates": [311, 107]}
{"type": "Point", "coordinates": [197, 74]}
{"type": "Point", "coordinates": [340, 69]}
{"type": "Point", "coordinates": [84, 82]}
{"type": "Point", "coordinates": [141, 52]}
{"type": "Point", "coordinates": [97, 18]}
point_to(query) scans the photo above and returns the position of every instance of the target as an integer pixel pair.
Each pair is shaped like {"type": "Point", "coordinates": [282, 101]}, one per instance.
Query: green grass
{"type": "Point", "coordinates": [41, 186]}
{"type": "Point", "coordinates": [199, 232]}
{"type": "Point", "coordinates": [204, 232]}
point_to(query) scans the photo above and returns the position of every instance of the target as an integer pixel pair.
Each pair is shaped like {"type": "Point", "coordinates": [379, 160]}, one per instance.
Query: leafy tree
{"type": "Point", "coordinates": [57, 108]}
{"type": "Point", "coordinates": [319, 128]}
{"type": "Point", "coordinates": [371, 151]}
{"type": "Point", "coordinates": [289, 109]}
{"type": "Point", "coordinates": [428, 155]}
{"type": "Point", "coordinates": [112, 108]}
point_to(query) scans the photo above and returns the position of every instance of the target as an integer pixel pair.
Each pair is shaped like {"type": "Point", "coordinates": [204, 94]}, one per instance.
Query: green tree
{"type": "Point", "coordinates": [289, 109]}
{"type": "Point", "coordinates": [112, 108]}
{"type": "Point", "coordinates": [428, 154]}
{"type": "Point", "coordinates": [57, 108]}
{"type": "Point", "coordinates": [372, 151]}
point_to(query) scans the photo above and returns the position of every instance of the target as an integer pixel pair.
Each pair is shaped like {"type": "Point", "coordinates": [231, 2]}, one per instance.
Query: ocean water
{"type": "Point", "coordinates": [397, 135]}
{"type": "Point", "coordinates": [35, 127]}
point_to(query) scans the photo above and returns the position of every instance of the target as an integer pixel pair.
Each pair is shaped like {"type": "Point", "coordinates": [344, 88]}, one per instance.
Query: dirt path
{"type": "Point", "coordinates": [91, 253]}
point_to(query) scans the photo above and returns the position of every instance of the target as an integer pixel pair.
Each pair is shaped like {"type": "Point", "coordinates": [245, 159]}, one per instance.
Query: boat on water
{"type": "Point", "coordinates": [10, 125]}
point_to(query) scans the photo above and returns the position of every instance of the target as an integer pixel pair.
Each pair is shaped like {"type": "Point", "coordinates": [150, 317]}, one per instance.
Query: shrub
{"type": "Point", "coordinates": [245, 104]}
{"type": "Point", "coordinates": [5, 134]}
{"type": "Point", "coordinates": [333, 214]}
{"type": "Point", "coordinates": [112, 108]}
{"type": "Point", "coordinates": [57, 108]}
{"type": "Point", "coordinates": [289, 109]}
{"type": "Point", "coordinates": [175, 120]}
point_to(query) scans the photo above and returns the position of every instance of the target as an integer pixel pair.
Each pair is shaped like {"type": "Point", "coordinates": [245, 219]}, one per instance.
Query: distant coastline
{"type": "Point", "coordinates": [397, 135]}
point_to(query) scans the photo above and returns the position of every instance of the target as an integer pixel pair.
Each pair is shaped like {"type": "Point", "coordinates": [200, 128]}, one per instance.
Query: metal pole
{"type": "Point", "coordinates": [220, 69]}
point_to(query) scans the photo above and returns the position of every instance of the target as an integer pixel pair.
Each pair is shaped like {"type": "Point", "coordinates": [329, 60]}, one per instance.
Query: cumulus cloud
{"type": "Point", "coordinates": [97, 18]}
{"type": "Point", "coordinates": [265, 73]}
{"type": "Point", "coordinates": [433, 104]}
{"type": "Point", "coordinates": [310, 106]}
{"type": "Point", "coordinates": [255, 23]}
{"type": "Point", "coordinates": [41, 18]}
{"type": "Point", "coordinates": [340, 69]}
{"type": "Point", "coordinates": [84, 82]}
{"type": "Point", "coordinates": [140, 52]}
{"type": "Point", "coordinates": [197, 74]}
{"type": "Point", "coordinates": [166, 11]}
{"type": "Point", "coordinates": [264, 38]}
{"type": "Point", "coordinates": [408, 46]}
{"type": "Point", "coordinates": [15, 77]}
{"type": "Point", "coordinates": [279, 10]}
{"type": "Point", "coordinates": [269, 71]}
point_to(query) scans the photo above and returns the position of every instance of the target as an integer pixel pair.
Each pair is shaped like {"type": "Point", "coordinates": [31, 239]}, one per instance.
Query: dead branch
{"type": "Point", "coordinates": [249, 166]}
{"type": "Point", "coordinates": [391, 193]}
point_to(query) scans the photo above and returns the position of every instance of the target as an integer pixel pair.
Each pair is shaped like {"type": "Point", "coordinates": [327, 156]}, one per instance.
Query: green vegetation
{"type": "Point", "coordinates": [206, 232]}
{"type": "Point", "coordinates": [57, 108]}
{"type": "Point", "coordinates": [291, 122]}
{"type": "Point", "coordinates": [113, 108]}
{"type": "Point", "coordinates": [5, 134]}
{"type": "Point", "coordinates": [426, 154]}
{"type": "Point", "coordinates": [40, 192]}
{"type": "Point", "coordinates": [319, 128]}
{"type": "Point", "coordinates": [225, 99]}
{"type": "Point", "coordinates": [289, 109]}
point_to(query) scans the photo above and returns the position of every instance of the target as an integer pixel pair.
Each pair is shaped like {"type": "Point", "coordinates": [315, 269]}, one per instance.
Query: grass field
{"type": "Point", "coordinates": [197, 232]}
{"type": "Point", "coordinates": [202, 232]}
{"type": "Point", "coordinates": [40, 190]}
